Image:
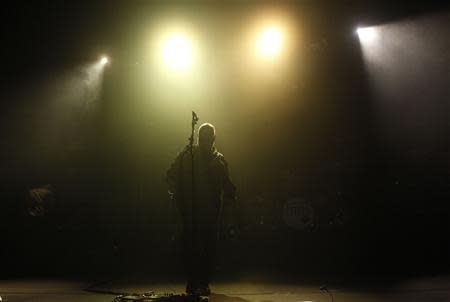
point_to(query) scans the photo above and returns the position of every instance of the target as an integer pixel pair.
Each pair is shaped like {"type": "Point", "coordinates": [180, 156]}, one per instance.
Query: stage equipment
{"type": "Point", "coordinates": [152, 297]}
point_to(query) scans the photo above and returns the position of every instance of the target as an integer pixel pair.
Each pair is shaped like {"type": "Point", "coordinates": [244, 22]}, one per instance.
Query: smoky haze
{"type": "Point", "coordinates": [358, 134]}
{"type": "Point", "coordinates": [408, 68]}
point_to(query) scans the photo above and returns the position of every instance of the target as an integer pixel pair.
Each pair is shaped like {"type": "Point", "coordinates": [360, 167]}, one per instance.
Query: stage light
{"type": "Point", "coordinates": [104, 60]}
{"type": "Point", "coordinates": [269, 41]}
{"type": "Point", "coordinates": [176, 52]}
{"type": "Point", "coordinates": [366, 34]}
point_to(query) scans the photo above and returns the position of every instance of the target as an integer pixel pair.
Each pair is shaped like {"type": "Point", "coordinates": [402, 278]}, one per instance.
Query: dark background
{"type": "Point", "coordinates": [376, 210]}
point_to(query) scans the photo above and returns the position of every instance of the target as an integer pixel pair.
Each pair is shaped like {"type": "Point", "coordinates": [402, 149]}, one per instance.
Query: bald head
{"type": "Point", "coordinates": [206, 136]}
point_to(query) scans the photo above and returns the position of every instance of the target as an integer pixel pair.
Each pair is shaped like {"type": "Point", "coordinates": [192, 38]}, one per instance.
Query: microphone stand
{"type": "Point", "coordinates": [191, 150]}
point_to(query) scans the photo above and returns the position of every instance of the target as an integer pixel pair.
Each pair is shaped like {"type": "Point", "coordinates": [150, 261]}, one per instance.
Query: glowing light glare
{"type": "Point", "coordinates": [269, 41]}
{"type": "Point", "coordinates": [366, 34]}
{"type": "Point", "coordinates": [104, 60]}
{"type": "Point", "coordinates": [177, 52]}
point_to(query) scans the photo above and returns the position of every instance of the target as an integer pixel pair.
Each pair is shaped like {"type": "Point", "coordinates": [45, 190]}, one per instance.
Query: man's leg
{"type": "Point", "coordinates": [206, 262]}
{"type": "Point", "coordinates": [189, 258]}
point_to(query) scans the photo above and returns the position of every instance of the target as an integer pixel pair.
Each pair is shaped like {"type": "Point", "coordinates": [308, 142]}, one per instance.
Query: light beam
{"type": "Point", "coordinates": [176, 52]}
{"type": "Point", "coordinates": [366, 34]}
{"type": "Point", "coordinates": [269, 41]}
{"type": "Point", "coordinates": [104, 60]}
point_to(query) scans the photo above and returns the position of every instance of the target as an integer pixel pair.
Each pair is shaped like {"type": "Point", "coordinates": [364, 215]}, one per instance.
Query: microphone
{"type": "Point", "coordinates": [194, 116]}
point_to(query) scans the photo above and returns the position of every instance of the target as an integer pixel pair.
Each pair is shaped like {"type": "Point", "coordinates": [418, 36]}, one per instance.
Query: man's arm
{"type": "Point", "coordinates": [230, 214]}
{"type": "Point", "coordinates": [173, 174]}
{"type": "Point", "coordinates": [229, 189]}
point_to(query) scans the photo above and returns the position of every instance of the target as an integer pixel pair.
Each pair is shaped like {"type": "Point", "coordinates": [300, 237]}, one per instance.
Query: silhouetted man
{"type": "Point", "coordinates": [200, 200]}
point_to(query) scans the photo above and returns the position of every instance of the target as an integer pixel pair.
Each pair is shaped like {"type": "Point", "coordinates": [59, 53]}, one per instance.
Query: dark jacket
{"type": "Point", "coordinates": [212, 183]}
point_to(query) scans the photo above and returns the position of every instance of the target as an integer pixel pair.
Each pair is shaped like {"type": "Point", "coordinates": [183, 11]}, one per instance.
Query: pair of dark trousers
{"type": "Point", "coordinates": [199, 251]}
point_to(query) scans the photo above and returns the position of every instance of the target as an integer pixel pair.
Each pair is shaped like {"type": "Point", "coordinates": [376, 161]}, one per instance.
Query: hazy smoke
{"type": "Point", "coordinates": [409, 71]}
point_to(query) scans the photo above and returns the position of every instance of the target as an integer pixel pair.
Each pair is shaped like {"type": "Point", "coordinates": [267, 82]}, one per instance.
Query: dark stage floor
{"type": "Point", "coordinates": [430, 289]}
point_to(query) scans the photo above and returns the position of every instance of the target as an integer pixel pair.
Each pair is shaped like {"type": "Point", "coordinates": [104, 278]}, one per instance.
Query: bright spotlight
{"type": "Point", "coordinates": [177, 52]}
{"type": "Point", "coordinates": [269, 41]}
{"type": "Point", "coordinates": [366, 34]}
{"type": "Point", "coordinates": [104, 60]}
